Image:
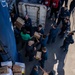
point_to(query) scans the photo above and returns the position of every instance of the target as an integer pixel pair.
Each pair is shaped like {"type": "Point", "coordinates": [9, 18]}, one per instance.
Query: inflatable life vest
{"type": "Point", "coordinates": [55, 3]}
{"type": "Point", "coordinates": [47, 2]}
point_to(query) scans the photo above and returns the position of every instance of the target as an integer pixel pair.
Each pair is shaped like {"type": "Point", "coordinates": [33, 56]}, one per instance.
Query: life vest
{"type": "Point", "coordinates": [55, 3]}
{"type": "Point", "coordinates": [47, 2]}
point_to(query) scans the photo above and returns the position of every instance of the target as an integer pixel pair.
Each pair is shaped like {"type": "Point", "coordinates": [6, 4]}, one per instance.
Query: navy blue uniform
{"type": "Point", "coordinates": [41, 31]}
{"type": "Point", "coordinates": [62, 15]}
{"type": "Point", "coordinates": [53, 33]}
{"type": "Point", "coordinates": [44, 57]}
{"type": "Point", "coordinates": [44, 41]}
{"type": "Point", "coordinates": [68, 40]}
{"type": "Point", "coordinates": [30, 52]}
{"type": "Point", "coordinates": [28, 25]}
{"type": "Point", "coordinates": [65, 28]}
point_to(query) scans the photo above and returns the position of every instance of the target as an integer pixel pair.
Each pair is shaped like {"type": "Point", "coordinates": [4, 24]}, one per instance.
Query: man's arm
{"type": "Point", "coordinates": [42, 69]}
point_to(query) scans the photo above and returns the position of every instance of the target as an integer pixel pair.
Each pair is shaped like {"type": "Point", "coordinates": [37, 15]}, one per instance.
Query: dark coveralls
{"type": "Point", "coordinates": [30, 52]}
{"type": "Point", "coordinates": [68, 40]}
{"type": "Point", "coordinates": [28, 25]}
{"type": "Point", "coordinates": [44, 57]}
{"type": "Point", "coordinates": [62, 15]}
{"type": "Point", "coordinates": [53, 33]}
{"type": "Point", "coordinates": [64, 29]}
{"type": "Point", "coordinates": [34, 72]}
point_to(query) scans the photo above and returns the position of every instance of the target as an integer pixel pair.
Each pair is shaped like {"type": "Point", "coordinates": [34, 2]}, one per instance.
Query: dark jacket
{"type": "Point", "coordinates": [41, 31]}
{"type": "Point", "coordinates": [30, 50]}
{"type": "Point", "coordinates": [69, 39]}
{"type": "Point", "coordinates": [64, 13]}
{"type": "Point", "coordinates": [44, 56]}
{"type": "Point", "coordinates": [13, 19]}
{"type": "Point", "coordinates": [28, 24]}
{"type": "Point", "coordinates": [66, 26]}
{"type": "Point", "coordinates": [44, 41]}
{"type": "Point", "coordinates": [53, 32]}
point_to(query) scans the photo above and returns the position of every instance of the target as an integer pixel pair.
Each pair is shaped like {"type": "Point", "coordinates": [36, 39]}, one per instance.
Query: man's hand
{"type": "Point", "coordinates": [34, 56]}
{"type": "Point", "coordinates": [39, 33]}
